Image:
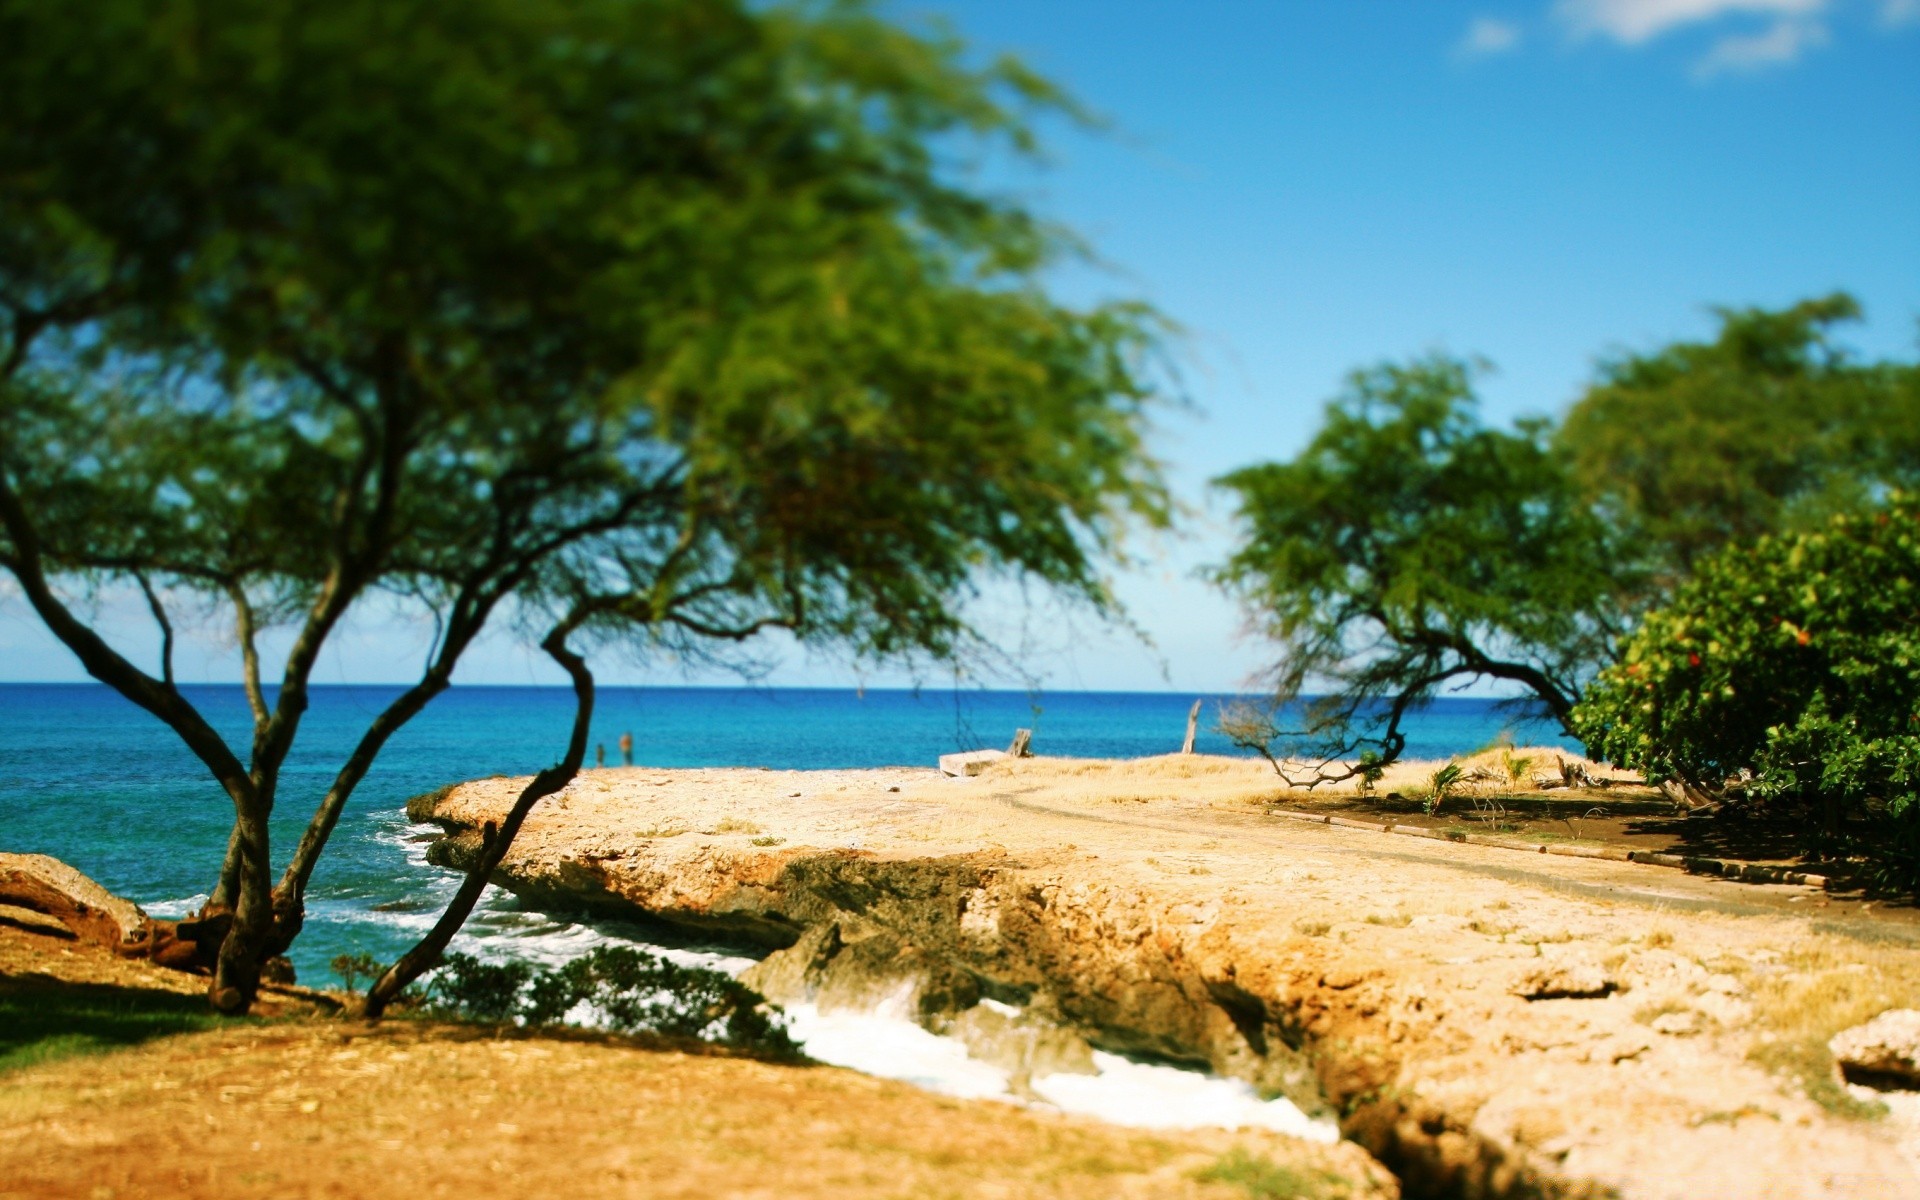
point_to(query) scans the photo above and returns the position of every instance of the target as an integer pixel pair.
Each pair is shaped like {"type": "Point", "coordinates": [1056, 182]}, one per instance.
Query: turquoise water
{"type": "Point", "coordinates": [89, 778]}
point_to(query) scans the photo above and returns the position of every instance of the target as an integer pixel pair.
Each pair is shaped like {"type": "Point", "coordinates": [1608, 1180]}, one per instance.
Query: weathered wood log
{"type": "Point", "coordinates": [969, 762]}
{"type": "Point", "coordinates": [1193, 727]}
{"type": "Point", "coordinates": [1022, 746]}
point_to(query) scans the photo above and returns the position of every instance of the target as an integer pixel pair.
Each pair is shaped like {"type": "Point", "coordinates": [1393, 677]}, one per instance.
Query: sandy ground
{"type": "Point", "coordinates": [306, 1106]}
{"type": "Point", "coordinates": [1700, 1071]}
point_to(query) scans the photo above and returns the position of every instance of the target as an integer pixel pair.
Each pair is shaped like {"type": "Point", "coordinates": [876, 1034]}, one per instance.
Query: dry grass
{"type": "Point", "coordinates": [313, 1106]}
{"type": "Point", "coordinates": [734, 825]}
{"type": "Point", "coordinates": [1815, 991]}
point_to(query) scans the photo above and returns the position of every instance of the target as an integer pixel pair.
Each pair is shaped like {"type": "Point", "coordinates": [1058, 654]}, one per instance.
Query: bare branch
{"type": "Point", "coordinates": [166, 628]}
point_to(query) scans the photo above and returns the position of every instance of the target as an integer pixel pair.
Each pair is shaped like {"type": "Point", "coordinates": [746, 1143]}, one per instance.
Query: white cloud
{"type": "Point", "coordinates": [1632, 22]}
{"type": "Point", "coordinates": [1782, 44]}
{"type": "Point", "coordinates": [1486, 37]}
{"type": "Point", "coordinates": [1899, 12]}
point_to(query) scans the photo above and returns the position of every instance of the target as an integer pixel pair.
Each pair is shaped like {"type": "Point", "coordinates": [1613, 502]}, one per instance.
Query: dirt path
{"type": "Point", "coordinates": [1656, 889]}
{"type": "Point", "coordinates": [1487, 1022]}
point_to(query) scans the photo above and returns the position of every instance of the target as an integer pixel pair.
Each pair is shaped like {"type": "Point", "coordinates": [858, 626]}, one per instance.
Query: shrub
{"type": "Point", "coordinates": [629, 990]}
{"type": "Point", "coordinates": [1786, 673]}
{"type": "Point", "coordinates": [351, 968]}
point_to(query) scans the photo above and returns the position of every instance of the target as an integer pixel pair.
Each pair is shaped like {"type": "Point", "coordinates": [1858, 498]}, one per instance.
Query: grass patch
{"type": "Point", "coordinates": [1821, 990]}
{"type": "Point", "coordinates": [1312, 928]}
{"type": "Point", "coordinates": [1397, 920]}
{"type": "Point", "coordinates": [1807, 1060]}
{"type": "Point", "coordinates": [44, 1024]}
{"type": "Point", "coordinates": [768, 840]}
{"type": "Point", "coordinates": [1262, 1179]}
{"type": "Point", "coordinates": [735, 825]}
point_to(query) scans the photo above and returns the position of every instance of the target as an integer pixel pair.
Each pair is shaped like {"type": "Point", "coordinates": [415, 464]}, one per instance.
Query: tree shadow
{"type": "Point", "coordinates": [1724, 837]}
{"type": "Point", "coordinates": [43, 1018]}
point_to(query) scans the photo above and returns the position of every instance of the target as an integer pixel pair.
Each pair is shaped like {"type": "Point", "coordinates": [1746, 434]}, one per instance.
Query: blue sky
{"type": "Point", "coordinates": [1309, 187]}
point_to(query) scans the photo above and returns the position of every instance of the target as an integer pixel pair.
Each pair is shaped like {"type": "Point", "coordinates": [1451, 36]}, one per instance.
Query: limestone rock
{"type": "Point", "coordinates": [1567, 975]}
{"type": "Point", "coordinates": [33, 922]}
{"type": "Point", "coordinates": [46, 885]}
{"type": "Point", "coordinates": [1884, 1052]}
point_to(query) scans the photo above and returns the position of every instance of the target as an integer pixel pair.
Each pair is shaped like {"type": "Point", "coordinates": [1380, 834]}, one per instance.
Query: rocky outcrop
{"type": "Point", "coordinates": [1031, 963]}
{"type": "Point", "coordinates": [1485, 1028]}
{"type": "Point", "coordinates": [1883, 1053]}
{"type": "Point", "coordinates": [44, 895]}
{"type": "Point", "coordinates": [44, 885]}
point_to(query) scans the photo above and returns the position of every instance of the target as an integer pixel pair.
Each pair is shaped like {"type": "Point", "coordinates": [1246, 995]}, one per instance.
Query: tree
{"type": "Point", "coordinates": [1786, 672]}
{"type": "Point", "coordinates": [651, 320]}
{"type": "Point", "coordinates": [1769, 427]}
{"type": "Point", "coordinates": [1410, 548]}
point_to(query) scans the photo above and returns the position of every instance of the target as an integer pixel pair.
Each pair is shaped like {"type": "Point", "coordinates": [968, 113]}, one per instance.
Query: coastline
{"type": "Point", "coordinates": [1156, 908]}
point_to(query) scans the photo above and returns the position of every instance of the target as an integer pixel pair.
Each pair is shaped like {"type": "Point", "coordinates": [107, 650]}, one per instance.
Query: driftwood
{"type": "Point", "coordinates": [1193, 726]}
{"type": "Point", "coordinates": [1022, 746]}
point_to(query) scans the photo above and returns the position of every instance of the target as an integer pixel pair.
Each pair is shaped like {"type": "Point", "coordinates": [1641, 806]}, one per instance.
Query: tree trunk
{"type": "Point", "coordinates": [494, 845]}
{"type": "Point", "coordinates": [236, 975]}
{"type": "Point", "coordinates": [1193, 727]}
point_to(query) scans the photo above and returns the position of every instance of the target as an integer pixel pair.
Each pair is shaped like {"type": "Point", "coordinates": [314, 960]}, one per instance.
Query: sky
{"type": "Point", "coordinates": [1307, 188]}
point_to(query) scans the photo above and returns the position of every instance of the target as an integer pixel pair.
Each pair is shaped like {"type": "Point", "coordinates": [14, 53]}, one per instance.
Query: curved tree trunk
{"type": "Point", "coordinates": [495, 843]}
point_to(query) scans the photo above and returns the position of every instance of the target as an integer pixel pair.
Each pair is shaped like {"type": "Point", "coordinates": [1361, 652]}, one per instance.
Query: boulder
{"type": "Point", "coordinates": [1564, 976]}
{"type": "Point", "coordinates": [46, 885]}
{"type": "Point", "coordinates": [1883, 1053]}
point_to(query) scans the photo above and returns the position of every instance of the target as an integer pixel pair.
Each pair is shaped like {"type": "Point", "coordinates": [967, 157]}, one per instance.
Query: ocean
{"type": "Point", "coordinates": [87, 777]}
{"type": "Point", "coordinates": [90, 779]}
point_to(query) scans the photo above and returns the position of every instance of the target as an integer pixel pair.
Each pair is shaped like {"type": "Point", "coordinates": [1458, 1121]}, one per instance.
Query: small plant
{"type": "Point", "coordinates": [1440, 785]}
{"type": "Point", "coordinates": [352, 968]}
{"type": "Point", "coordinates": [1370, 772]}
{"type": "Point", "coordinates": [734, 825]}
{"type": "Point", "coordinates": [768, 840]}
{"type": "Point", "coordinates": [1312, 929]}
{"type": "Point", "coordinates": [1517, 766]}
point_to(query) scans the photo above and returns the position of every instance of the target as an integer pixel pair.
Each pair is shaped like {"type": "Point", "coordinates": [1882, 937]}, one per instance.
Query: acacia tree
{"type": "Point", "coordinates": [456, 303]}
{"type": "Point", "coordinates": [1768, 428]}
{"type": "Point", "coordinates": [1409, 549]}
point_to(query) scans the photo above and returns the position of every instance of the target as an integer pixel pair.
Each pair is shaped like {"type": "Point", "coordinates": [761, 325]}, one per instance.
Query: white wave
{"type": "Point", "coordinates": [893, 1048]}
{"type": "Point", "coordinates": [174, 910]}
{"type": "Point", "coordinates": [1122, 1091]}
{"type": "Point", "coordinates": [1152, 1096]}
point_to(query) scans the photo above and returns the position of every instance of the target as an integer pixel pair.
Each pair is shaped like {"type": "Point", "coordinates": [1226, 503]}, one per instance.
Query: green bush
{"type": "Point", "coordinates": [1786, 674]}
{"type": "Point", "coordinates": [630, 990]}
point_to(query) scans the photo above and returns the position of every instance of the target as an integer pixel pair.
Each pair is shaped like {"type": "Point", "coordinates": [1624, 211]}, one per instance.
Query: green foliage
{"type": "Point", "coordinates": [351, 968]}
{"type": "Point", "coordinates": [1517, 766]}
{"type": "Point", "coordinates": [1792, 666]}
{"type": "Point", "coordinates": [628, 990]}
{"type": "Point", "coordinates": [669, 315]}
{"type": "Point", "coordinates": [1408, 547]}
{"type": "Point", "coordinates": [1441, 784]}
{"type": "Point", "coordinates": [1767, 428]}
